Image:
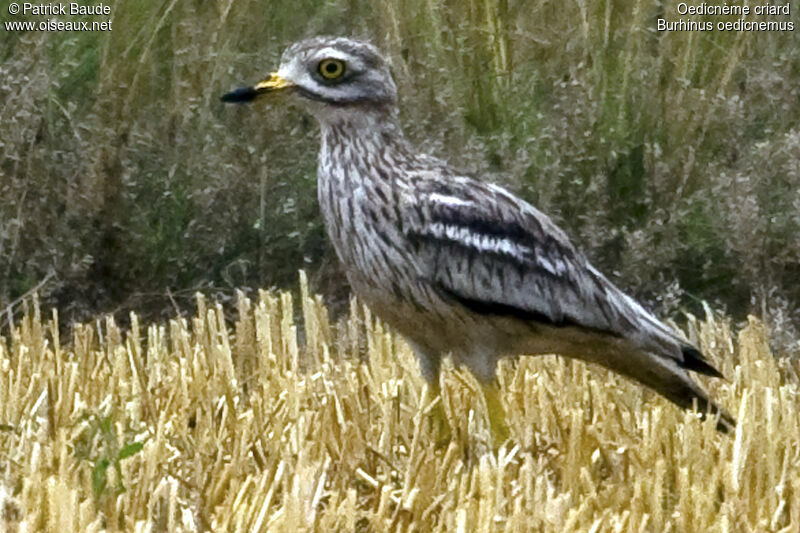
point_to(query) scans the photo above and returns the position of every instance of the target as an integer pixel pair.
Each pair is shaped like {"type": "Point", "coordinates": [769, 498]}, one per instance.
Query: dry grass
{"type": "Point", "coordinates": [246, 427]}
{"type": "Point", "coordinates": [670, 158]}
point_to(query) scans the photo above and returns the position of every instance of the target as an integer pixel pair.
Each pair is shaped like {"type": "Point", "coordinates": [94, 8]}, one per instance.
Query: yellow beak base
{"type": "Point", "coordinates": [273, 83]}
{"type": "Point", "coordinates": [248, 94]}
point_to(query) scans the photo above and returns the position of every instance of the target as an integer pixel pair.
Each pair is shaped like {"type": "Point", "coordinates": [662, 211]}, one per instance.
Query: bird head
{"type": "Point", "coordinates": [330, 76]}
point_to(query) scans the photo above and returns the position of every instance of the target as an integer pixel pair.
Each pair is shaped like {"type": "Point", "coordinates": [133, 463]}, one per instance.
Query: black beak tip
{"type": "Point", "coordinates": [240, 95]}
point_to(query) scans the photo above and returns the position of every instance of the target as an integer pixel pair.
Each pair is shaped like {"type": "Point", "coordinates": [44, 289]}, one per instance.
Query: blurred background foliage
{"type": "Point", "coordinates": [672, 159]}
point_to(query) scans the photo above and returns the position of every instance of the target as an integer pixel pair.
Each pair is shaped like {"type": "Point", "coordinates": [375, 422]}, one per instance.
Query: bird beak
{"type": "Point", "coordinates": [248, 94]}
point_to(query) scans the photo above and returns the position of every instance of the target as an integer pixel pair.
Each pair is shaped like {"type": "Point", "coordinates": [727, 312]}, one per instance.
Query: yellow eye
{"type": "Point", "coordinates": [330, 69]}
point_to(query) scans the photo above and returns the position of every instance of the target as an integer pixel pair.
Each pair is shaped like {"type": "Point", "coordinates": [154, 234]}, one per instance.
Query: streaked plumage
{"type": "Point", "coordinates": [456, 265]}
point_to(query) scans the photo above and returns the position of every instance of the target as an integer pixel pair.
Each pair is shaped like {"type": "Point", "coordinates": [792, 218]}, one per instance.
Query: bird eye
{"type": "Point", "coordinates": [330, 69]}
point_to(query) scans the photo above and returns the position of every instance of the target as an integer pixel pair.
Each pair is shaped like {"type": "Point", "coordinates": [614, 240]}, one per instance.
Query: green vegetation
{"type": "Point", "coordinates": [100, 431]}
{"type": "Point", "coordinates": [243, 428]}
{"type": "Point", "coordinates": [670, 158]}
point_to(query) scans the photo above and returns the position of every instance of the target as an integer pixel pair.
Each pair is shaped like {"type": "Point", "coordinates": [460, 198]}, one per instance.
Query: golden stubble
{"type": "Point", "coordinates": [270, 417]}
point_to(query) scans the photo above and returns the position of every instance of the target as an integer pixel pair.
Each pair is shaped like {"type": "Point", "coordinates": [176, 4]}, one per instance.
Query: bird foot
{"type": "Point", "coordinates": [496, 415]}
{"type": "Point", "coordinates": [440, 425]}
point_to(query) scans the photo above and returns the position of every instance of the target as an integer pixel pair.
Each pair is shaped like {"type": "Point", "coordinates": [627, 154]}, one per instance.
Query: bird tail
{"type": "Point", "coordinates": [673, 382]}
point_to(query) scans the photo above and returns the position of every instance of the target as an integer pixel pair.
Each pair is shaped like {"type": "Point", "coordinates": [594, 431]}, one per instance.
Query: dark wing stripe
{"type": "Point", "coordinates": [478, 223]}
{"type": "Point", "coordinates": [536, 244]}
{"type": "Point", "coordinates": [695, 361]}
{"type": "Point", "coordinates": [488, 308]}
{"type": "Point", "coordinates": [439, 238]}
{"type": "Point", "coordinates": [526, 265]}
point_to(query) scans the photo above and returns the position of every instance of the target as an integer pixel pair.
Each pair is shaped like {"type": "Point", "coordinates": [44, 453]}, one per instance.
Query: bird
{"type": "Point", "coordinates": [461, 267]}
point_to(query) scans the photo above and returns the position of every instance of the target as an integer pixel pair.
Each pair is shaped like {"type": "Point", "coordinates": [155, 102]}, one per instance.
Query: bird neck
{"type": "Point", "coordinates": [362, 157]}
{"type": "Point", "coordinates": [365, 138]}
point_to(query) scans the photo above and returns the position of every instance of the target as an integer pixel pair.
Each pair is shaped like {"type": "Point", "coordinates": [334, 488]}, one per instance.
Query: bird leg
{"type": "Point", "coordinates": [434, 407]}
{"type": "Point", "coordinates": [495, 413]}
{"type": "Point", "coordinates": [433, 401]}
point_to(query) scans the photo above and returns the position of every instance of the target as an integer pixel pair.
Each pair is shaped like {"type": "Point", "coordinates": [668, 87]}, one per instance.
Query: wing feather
{"type": "Point", "coordinates": [494, 254]}
{"type": "Point", "coordinates": [497, 254]}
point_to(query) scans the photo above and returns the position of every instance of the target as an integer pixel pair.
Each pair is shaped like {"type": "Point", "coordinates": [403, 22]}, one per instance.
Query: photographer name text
{"type": "Point", "coordinates": [28, 12]}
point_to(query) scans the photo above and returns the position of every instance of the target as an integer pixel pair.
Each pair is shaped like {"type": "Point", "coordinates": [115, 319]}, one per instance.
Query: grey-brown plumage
{"type": "Point", "coordinates": [456, 265]}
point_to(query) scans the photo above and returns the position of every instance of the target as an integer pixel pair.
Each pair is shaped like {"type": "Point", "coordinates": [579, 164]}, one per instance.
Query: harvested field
{"type": "Point", "coordinates": [244, 420]}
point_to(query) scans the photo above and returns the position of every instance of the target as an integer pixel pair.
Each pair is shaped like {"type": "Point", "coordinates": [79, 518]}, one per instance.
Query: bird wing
{"type": "Point", "coordinates": [485, 249]}
{"type": "Point", "coordinates": [498, 255]}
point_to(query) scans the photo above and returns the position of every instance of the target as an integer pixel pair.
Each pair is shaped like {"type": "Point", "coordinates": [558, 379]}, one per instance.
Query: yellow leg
{"type": "Point", "coordinates": [435, 406]}
{"type": "Point", "coordinates": [495, 413]}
